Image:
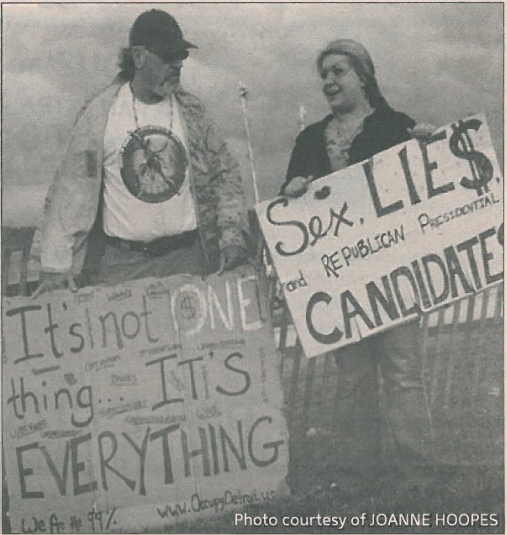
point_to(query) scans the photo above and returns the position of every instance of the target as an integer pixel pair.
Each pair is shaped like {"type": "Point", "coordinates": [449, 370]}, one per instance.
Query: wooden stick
{"type": "Point", "coordinates": [243, 95]}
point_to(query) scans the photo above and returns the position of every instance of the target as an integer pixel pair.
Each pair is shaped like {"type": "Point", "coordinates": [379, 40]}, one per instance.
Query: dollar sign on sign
{"type": "Point", "coordinates": [187, 308]}
{"type": "Point", "coordinates": [461, 145]}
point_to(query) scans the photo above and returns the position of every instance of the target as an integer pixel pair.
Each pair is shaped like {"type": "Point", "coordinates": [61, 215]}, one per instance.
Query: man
{"type": "Point", "coordinates": [146, 169]}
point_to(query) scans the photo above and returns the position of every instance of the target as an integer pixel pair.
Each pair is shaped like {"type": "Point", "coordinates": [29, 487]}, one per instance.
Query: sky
{"type": "Point", "coordinates": [435, 62]}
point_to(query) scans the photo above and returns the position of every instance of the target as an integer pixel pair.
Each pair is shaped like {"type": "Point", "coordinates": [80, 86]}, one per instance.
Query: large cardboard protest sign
{"type": "Point", "coordinates": [413, 228]}
{"type": "Point", "coordinates": [140, 405]}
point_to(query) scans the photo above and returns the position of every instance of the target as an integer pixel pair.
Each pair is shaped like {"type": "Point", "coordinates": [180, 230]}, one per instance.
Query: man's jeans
{"type": "Point", "coordinates": [118, 265]}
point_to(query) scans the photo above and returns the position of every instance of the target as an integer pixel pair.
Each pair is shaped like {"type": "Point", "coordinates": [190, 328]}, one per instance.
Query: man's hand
{"type": "Point", "coordinates": [54, 281]}
{"type": "Point", "coordinates": [297, 186]}
{"type": "Point", "coordinates": [422, 131]}
{"type": "Point", "coordinates": [230, 257]}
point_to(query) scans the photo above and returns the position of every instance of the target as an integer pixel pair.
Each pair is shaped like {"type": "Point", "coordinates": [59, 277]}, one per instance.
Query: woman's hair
{"type": "Point", "coordinates": [361, 63]}
{"type": "Point", "coordinates": [126, 65]}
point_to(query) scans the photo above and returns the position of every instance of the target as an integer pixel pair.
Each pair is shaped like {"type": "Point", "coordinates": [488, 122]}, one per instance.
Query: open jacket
{"type": "Point", "coordinates": [74, 198]}
{"type": "Point", "coordinates": [383, 129]}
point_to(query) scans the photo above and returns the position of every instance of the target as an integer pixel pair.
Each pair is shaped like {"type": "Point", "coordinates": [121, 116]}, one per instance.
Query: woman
{"type": "Point", "coordinates": [360, 125]}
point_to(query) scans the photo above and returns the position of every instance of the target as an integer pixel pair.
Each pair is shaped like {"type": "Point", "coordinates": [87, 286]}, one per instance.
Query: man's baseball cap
{"type": "Point", "coordinates": [159, 32]}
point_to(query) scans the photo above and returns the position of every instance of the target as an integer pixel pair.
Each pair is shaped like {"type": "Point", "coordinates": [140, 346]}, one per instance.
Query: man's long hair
{"type": "Point", "coordinates": [126, 65]}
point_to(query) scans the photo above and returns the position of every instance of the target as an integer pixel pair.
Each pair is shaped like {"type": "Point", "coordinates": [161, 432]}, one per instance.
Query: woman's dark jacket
{"type": "Point", "coordinates": [383, 129]}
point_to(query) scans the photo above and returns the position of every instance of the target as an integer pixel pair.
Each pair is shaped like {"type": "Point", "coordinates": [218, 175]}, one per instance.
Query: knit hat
{"type": "Point", "coordinates": [351, 48]}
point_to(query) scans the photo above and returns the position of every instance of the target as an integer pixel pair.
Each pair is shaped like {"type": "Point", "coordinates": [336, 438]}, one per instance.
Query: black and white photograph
{"type": "Point", "coordinates": [252, 267]}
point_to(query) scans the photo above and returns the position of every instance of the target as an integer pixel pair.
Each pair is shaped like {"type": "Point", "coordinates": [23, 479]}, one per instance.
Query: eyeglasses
{"type": "Point", "coordinates": [338, 71]}
{"type": "Point", "coordinates": [169, 58]}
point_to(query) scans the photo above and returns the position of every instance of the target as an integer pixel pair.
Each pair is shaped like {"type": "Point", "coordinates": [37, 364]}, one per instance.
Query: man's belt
{"type": "Point", "coordinates": [157, 247]}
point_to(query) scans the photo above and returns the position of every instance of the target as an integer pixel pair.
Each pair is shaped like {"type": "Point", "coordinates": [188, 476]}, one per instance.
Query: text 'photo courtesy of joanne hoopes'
{"type": "Point", "coordinates": [141, 405]}
{"type": "Point", "coordinates": [427, 232]}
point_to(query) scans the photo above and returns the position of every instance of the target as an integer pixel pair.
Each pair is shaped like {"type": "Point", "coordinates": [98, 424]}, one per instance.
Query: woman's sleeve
{"type": "Point", "coordinates": [296, 164]}
{"type": "Point", "coordinates": [400, 128]}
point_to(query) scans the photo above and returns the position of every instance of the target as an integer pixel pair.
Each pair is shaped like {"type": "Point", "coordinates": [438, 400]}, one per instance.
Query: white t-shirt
{"type": "Point", "coordinates": [146, 185]}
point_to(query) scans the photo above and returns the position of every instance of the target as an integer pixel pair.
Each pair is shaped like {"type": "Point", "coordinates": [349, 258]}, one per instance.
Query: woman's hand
{"type": "Point", "coordinates": [422, 131]}
{"type": "Point", "coordinates": [297, 186]}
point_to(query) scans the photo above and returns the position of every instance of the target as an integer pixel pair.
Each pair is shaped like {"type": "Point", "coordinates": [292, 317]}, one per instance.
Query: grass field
{"type": "Point", "coordinates": [469, 477]}
{"type": "Point", "coordinates": [469, 430]}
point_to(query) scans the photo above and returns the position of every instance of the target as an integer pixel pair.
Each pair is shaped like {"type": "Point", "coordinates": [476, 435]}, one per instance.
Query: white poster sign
{"type": "Point", "coordinates": [141, 405]}
{"type": "Point", "coordinates": [369, 247]}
